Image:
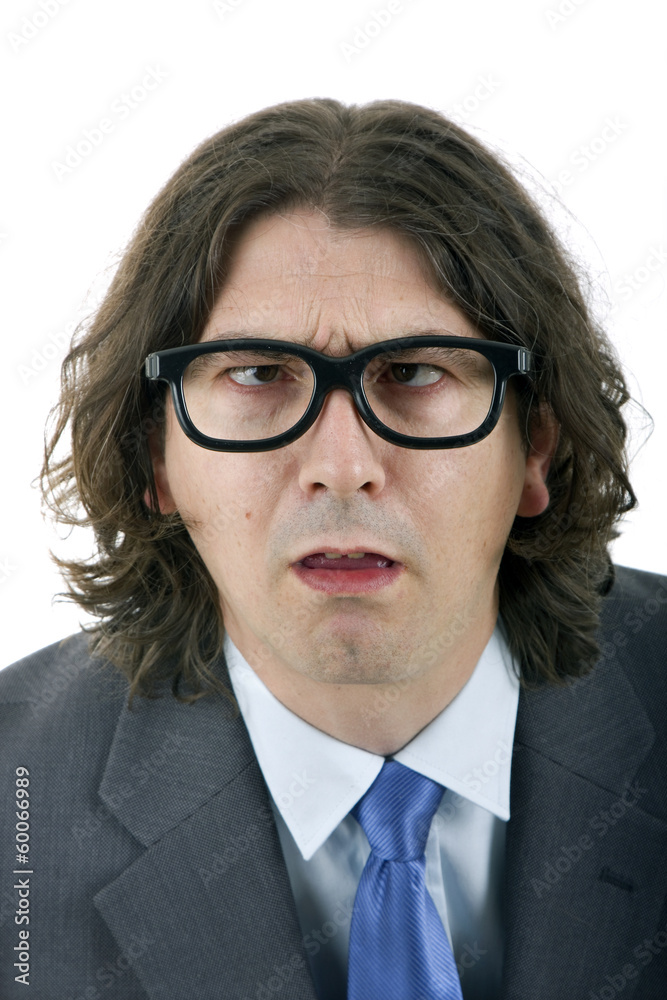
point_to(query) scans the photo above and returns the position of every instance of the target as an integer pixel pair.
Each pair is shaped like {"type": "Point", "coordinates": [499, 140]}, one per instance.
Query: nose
{"type": "Point", "coordinates": [340, 453]}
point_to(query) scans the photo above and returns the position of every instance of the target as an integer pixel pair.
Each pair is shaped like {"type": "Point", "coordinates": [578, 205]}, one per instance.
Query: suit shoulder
{"type": "Point", "coordinates": [634, 614]}
{"type": "Point", "coordinates": [55, 666]}
{"type": "Point", "coordinates": [19, 679]}
{"type": "Point", "coordinates": [58, 688]}
{"type": "Point", "coordinates": [637, 585]}
{"type": "Point", "coordinates": [633, 635]}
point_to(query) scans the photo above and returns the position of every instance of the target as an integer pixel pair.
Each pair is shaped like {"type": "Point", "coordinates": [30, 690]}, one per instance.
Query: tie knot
{"type": "Point", "coordinates": [397, 811]}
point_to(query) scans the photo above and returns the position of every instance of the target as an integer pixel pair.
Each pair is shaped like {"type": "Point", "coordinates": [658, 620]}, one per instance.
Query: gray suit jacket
{"type": "Point", "coordinates": [157, 870]}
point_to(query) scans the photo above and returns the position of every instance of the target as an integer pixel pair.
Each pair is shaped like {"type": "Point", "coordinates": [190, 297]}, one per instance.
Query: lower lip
{"type": "Point", "coordinates": [348, 581]}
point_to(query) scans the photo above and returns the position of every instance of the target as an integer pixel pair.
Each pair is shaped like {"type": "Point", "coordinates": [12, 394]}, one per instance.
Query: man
{"type": "Point", "coordinates": [353, 450]}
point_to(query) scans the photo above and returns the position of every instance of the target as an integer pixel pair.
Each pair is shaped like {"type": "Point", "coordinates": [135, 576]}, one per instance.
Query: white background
{"type": "Point", "coordinates": [539, 80]}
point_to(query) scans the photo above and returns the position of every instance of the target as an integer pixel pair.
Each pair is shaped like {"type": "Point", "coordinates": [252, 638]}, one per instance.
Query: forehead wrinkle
{"type": "Point", "coordinates": [335, 300]}
{"type": "Point", "coordinates": [334, 335]}
{"type": "Point", "coordinates": [340, 334]}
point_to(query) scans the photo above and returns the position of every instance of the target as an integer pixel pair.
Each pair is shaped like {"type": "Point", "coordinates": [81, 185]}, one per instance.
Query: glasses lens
{"type": "Point", "coordinates": [430, 391]}
{"type": "Point", "coordinates": [246, 395]}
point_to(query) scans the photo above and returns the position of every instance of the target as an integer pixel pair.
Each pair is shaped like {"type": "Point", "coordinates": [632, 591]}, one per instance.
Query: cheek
{"type": "Point", "coordinates": [465, 500]}
{"type": "Point", "coordinates": [225, 500]}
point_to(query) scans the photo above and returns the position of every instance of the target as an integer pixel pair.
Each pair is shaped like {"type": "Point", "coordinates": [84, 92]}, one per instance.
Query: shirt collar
{"type": "Point", "coordinates": [315, 779]}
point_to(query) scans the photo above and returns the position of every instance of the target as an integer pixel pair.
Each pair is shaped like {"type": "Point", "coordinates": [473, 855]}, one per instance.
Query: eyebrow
{"type": "Point", "coordinates": [261, 335]}
{"type": "Point", "coordinates": [204, 361]}
{"type": "Point", "coordinates": [238, 335]}
{"type": "Point", "coordinates": [462, 354]}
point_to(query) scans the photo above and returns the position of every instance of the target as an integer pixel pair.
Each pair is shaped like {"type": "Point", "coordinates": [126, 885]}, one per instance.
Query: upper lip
{"type": "Point", "coordinates": [370, 547]}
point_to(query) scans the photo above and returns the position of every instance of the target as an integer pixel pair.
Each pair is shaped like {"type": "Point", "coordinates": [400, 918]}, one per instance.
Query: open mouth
{"type": "Point", "coordinates": [353, 572]}
{"type": "Point", "coordinates": [352, 561]}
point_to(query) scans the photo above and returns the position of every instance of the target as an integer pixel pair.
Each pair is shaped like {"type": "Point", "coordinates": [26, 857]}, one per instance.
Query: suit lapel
{"type": "Point", "coordinates": [585, 865]}
{"type": "Point", "coordinates": [207, 909]}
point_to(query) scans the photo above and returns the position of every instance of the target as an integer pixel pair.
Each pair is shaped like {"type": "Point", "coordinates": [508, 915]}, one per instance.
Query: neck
{"type": "Point", "coordinates": [381, 717]}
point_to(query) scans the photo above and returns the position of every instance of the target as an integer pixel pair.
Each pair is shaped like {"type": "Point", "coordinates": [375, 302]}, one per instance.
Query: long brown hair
{"type": "Point", "coordinates": [494, 256]}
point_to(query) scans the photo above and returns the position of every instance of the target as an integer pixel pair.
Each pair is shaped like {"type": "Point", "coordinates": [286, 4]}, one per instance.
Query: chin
{"type": "Point", "coordinates": [352, 659]}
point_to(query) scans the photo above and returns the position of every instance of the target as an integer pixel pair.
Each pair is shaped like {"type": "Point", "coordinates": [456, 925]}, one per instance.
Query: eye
{"type": "Point", "coordinates": [416, 374]}
{"type": "Point", "coordinates": [257, 375]}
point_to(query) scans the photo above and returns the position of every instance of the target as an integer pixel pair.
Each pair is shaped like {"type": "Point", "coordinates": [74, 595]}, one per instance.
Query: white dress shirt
{"type": "Point", "coordinates": [314, 781]}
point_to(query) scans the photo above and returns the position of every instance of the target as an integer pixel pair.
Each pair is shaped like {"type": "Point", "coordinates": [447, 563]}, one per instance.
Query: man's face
{"type": "Point", "coordinates": [441, 517]}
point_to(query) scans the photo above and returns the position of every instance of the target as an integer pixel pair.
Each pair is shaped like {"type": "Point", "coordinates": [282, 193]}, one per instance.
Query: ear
{"type": "Point", "coordinates": [165, 500]}
{"type": "Point", "coordinates": [544, 430]}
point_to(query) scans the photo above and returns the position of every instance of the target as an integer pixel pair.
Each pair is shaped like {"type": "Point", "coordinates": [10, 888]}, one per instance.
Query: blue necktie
{"type": "Point", "coordinates": [398, 947]}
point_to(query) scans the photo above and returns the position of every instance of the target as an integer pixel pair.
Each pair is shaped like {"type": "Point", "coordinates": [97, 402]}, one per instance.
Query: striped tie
{"type": "Point", "coordinates": [398, 946]}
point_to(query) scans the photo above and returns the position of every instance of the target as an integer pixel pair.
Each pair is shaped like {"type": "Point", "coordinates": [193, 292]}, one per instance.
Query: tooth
{"type": "Point", "coordinates": [356, 555]}
{"type": "Point", "coordinates": [333, 555]}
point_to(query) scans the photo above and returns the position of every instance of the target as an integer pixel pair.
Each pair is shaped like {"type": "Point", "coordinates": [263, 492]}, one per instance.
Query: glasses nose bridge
{"type": "Point", "coordinates": [339, 373]}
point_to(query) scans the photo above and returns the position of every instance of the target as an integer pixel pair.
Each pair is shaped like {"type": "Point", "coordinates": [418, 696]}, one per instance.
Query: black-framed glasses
{"type": "Point", "coordinates": [253, 394]}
